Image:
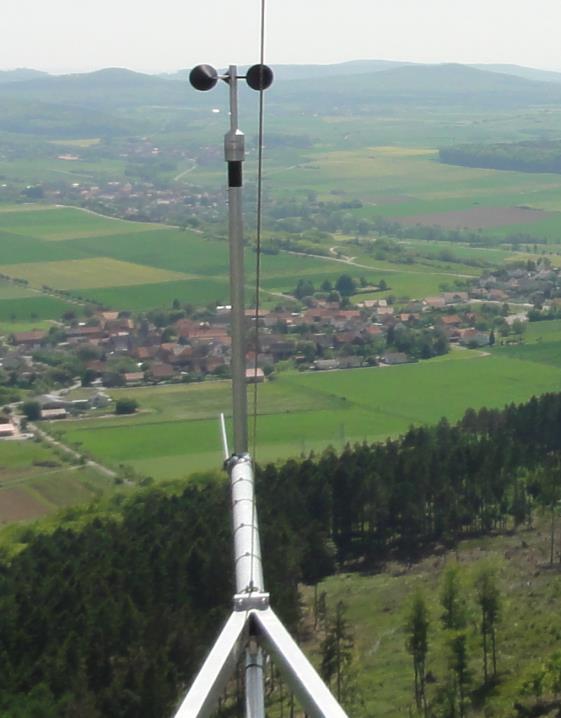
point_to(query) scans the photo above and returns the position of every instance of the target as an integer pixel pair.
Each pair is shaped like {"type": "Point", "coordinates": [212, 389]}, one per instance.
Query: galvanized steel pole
{"type": "Point", "coordinates": [234, 152]}
{"type": "Point", "coordinates": [247, 551]}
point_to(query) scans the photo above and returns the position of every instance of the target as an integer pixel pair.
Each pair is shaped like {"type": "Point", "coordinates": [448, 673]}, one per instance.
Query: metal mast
{"type": "Point", "coordinates": [253, 626]}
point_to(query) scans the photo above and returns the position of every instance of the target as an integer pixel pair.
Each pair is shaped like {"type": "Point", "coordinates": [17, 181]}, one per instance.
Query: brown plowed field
{"type": "Point", "coordinates": [477, 217]}
{"type": "Point", "coordinates": [17, 505]}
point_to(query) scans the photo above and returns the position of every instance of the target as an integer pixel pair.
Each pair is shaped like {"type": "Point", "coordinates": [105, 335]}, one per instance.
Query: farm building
{"type": "Point", "coordinates": [53, 401]}
{"type": "Point", "coordinates": [326, 364]}
{"type": "Point", "coordinates": [100, 400]}
{"type": "Point", "coordinates": [52, 414]}
{"type": "Point", "coordinates": [133, 378]}
{"type": "Point", "coordinates": [30, 340]}
{"type": "Point", "coordinates": [395, 358]}
{"type": "Point", "coordinates": [7, 430]}
{"type": "Point", "coordinates": [434, 302]}
{"type": "Point", "coordinates": [254, 376]}
{"type": "Point", "coordinates": [521, 317]}
{"type": "Point", "coordinates": [161, 372]}
{"type": "Point", "coordinates": [473, 337]}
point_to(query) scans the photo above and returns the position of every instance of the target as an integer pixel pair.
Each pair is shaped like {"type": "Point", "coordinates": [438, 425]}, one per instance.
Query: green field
{"type": "Point", "coordinates": [10, 327]}
{"type": "Point", "coordinates": [176, 430]}
{"type": "Point", "coordinates": [33, 308]}
{"type": "Point", "coordinates": [392, 181]}
{"type": "Point", "coordinates": [85, 273]}
{"type": "Point", "coordinates": [20, 305]}
{"type": "Point", "coordinates": [543, 331]}
{"type": "Point", "coordinates": [156, 295]}
{"type": "Point", "coordinates": [542, 344]}
{"type": "Point", "coordinates": [143, 267]}
{"type": "Point", "coordinates": [136, 266]}
{"type": "Point", "coordinates": [64, 223]}
{"type": "Point", "coordinates": [399, 181]}
{"type": "Point", "coordinates": [34, 481]}
{"type": "Point", "coordinates": [378, 174]}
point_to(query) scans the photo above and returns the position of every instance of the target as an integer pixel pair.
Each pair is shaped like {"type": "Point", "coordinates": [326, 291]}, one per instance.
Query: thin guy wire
{"type": "Point", "coordinates": [258, 227]}
{"type": "Point", "coordinates": [258, 262]}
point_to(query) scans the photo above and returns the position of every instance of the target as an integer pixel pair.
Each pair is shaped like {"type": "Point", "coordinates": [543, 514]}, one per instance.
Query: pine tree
{"type": "Point", "coordinates": [417, 644]}
{"type": "Point", "coordinates": [454, 616]}
{"type": "Point", "coordinates": [336, 649]}
{"type": "Point", "coordinates": [488, 598]}
{"type": "Point", "coordinates": [459, 666]}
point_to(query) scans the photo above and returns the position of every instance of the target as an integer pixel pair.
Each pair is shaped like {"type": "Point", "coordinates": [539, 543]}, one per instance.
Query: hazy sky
{"type": "Point", "coordinates": [73, 35]}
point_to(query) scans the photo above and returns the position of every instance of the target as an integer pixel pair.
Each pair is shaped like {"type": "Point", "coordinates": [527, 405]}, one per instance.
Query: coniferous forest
{"type": "Point", "coordinates": [110, 614]}
{"type": "Point", "coordinates": [528, 156]}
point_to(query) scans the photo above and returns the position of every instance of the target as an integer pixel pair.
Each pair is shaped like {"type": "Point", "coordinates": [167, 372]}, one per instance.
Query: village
{"type": "Point", "coordinates": [118, 349]}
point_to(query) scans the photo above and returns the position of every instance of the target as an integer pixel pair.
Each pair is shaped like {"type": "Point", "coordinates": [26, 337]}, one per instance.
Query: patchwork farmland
{"type": "Point", "coordinates": [139, 266]}
{"type": "Point", "coordinates": [128, 265]}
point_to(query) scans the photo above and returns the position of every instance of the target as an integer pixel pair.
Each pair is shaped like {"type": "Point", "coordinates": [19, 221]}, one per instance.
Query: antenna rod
{"type": "Point", "coordinates": [234, 152]}
{"type": "Point", "coordinates": [224, 437]}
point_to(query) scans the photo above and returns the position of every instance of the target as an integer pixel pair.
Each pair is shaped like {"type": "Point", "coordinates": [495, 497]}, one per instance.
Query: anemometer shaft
{"type": "Point", "coordinates": [247, 549]}
{"type": "Point", "coordinates": [252, 625]}
{"type": "Point", "coordinates": [234, 154]}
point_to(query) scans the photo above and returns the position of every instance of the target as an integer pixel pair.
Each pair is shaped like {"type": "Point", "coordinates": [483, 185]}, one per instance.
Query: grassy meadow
{"type": "Point", "coordinates": [378, 603]}
{"type": "Point", "coordinates": [176, 430]}
{"type": "Point", "coordinates": [35, 480]}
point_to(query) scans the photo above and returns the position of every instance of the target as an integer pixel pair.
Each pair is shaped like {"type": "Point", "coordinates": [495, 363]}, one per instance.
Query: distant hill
{"type": "Point", "coordinates": [111, 87]}
{"type": "Point", "coordinates": [432, 84]}
{"type": "Point", "coordinates": [529, 73]}
{"type": "Point", "coordinates": [367, 83]}
{"type": "Point", "coordinates": [360, 67]}
{"type": "Point", "coordinates": [20, 74]}
{"type": "Point", "coordinates": [107, 101]}
{"type": "Point", "coordinates": [301, 72]}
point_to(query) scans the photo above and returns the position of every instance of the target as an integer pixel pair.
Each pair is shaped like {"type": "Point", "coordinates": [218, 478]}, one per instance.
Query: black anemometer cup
{"type": "Point", "coordinates": [259, 77]}
{"type": "Point", "coordinates": [203, 77]}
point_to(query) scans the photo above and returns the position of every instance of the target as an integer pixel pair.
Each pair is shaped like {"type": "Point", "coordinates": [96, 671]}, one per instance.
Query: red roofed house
{"type": "Point", "coordinates": [434, 302]}
{"type": "Point", "coordinates": [161, 372]}
{"type": "Point", "coordinates": [29, 339]}
{"type": "Point", "coordinates": [451, 320]}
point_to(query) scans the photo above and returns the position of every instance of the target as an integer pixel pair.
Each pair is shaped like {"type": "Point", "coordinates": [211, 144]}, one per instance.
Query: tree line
{"type": "Point", "coordinates": [109, 614]}
{"type": "Point", "coordinates": [529, 156]}
{"type": "Point", "coordinates": [432, 484]}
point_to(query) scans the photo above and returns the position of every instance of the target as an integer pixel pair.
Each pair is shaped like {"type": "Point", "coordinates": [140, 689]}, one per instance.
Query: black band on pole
{"type": "Point", "coordinates": [234, 174]}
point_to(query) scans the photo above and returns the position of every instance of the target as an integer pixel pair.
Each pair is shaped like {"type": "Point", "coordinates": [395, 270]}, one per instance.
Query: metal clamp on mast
{"type": "Point", "coordinates": [253, 626]}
